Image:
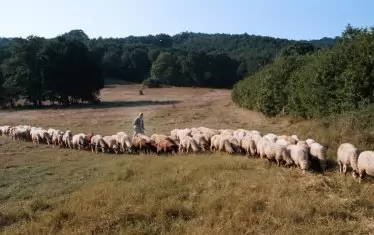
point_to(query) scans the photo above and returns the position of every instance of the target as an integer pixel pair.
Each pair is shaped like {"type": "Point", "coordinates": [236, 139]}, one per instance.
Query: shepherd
{"type": "Point", "coordinates": [138, 125]}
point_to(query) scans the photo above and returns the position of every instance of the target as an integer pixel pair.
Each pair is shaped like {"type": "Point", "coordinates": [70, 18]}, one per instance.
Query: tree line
{"type": "Point", "coordinates": [308, 83]}
{"type": "Point", "coordinates": [71, 67]}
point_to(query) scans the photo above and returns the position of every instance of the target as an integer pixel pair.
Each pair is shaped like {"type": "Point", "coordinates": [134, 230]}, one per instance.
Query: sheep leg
{"type": "Point", "coordinates": [361, 177]}
{"type": "Point", "coordinates": [340, 167]}
{"type": "Point", "coordinates": [344, 169]}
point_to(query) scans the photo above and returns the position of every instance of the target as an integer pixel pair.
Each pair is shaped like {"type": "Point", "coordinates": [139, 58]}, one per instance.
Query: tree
{"type": "Point", "coordinates": [314, 84]}
{"type": "Point", "coordinates": [163, 68]}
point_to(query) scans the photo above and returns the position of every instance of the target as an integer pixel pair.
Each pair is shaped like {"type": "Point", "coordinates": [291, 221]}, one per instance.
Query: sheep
{"type": "Point", "coordinates": [226, 146]}
{"type": "Point", "coordinates": [79, 141]}
{"type": "Point", "coordinates": [57, 139]}
{"type": "Point", "coordinates": [205, 130]}
{"type": "Point", "coordinates": [5, 130]}
{"type": "Point", "coordinates": [214, 142]}
{"type": "Point", "coordinates": [282, 142]}
{"type": "Point", "coordinates": [310, 141]}
{"type": "Point", "coordinates": [19, 134]}
{"type": "Point", "coordinates": [299, 156]}
{"type": "Point", "coordinates": [140, 144]}
{"type": "Point", "coordinates": [249, 146]}
{"type": "Point", "coordinates": [111, 142]}
{"type": "Point", "coordinates": [200, 140]}
{"type": "Point", "coordinates": [147, 138]}
{"type": "Point", "coordinates": [271, 137]}
{"type": "Point", "coordinates": [35, 137]}
{"type": "Point", "coordinates": [97, 141]}
{"type": "Point", "coordinates": [187, 143]}
{"type": "Point", "coordinates": [208, 136]}
{"type": "Point", "coordinates": [347, 154]}
{"type": "Point", "coordinates": [303, 144]}
{"type": "Point", "coordinates": [256, 137]}
{"type": "Point", "coordinates": [241, 133]}
{"type": "Point", "coordinates": [288, 138]}
{"type": "Point", "coordinates": [296, 137]}
{"type": "Point", "coordinates": [228, 132]}
{"type": "Point", "coordinates": [318, 151]}
{"type": "Point", "coordinates": [184, 132]}
{"type": "Point", "coordinates": [174, 133]}
{"type": "Point", "coordinates": [45, 137]}
{"type": "Point", "coordinates": [166, 146]}
{"type": "Point", "coordinates": [67, 139]}
{"type": "Point", "coordinates": [174, 140]}
{"type": "Point", "coordinates": [365, 165]}
{"type": "Point", "coordinates": [260, 146]}
{"type": "Point", "coordinates": [158, 137]}
{"type": "Point", "coordinates": [195, 131]}
{"type": "Point", "coordinates": [277, 152]}
{"type": "Point", "coordinates": [124, 142]}
{"type": "Point", "coordinates": [235, 144]}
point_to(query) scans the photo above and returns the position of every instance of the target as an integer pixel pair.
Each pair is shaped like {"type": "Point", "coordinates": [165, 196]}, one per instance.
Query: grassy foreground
{"type": "Point", "coordinates": [57, 191]}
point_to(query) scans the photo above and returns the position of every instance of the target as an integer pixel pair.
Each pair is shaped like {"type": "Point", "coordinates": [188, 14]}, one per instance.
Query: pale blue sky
{"type": "Point", "coordinates": [293, 19]}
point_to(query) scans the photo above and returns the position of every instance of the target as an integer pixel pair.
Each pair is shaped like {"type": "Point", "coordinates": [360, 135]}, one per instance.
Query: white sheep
{"type": "Point", "coordinates": [200, 140]}
{"type": "Point", "coordinates": [365, 165]}
{"type": "Point", "coordinates": [225, 146]}
{"type": "Point", "coordinates": [271, 137]}
{"type": "Point", "coordinates": [300, 156]}
{"type": "Point", "coordinates": [214, 142]}
{"type": "Point", "coordinates": [79, 141]}
{"type": "Point", "coordinates": [97, 141]}
{"type": "Point", "coordinates": [187, 143]}
{"type": "Point", "coordinates": [319, 151]}
{"type": "Point", "coordinates": [347, 155]}
{"type": "Point", "coordinates": [112, 143]}
{"type": "Point", "coordinates": [310, 141]}
{"type": "Point", "coordinates": [57, 139]}
{"type": "Point", "coordinates": [35, 137]}
{"type": "Point", "coordinates": [249, 145]}
{"type": "Point", "coordinates": [282, 142]}
{"type": "Point", "coordinates": [276, 152]}
{"type": "Point", "coordinates": [67, 139]}
{"type": "Point", "coordinates": [124, 142]}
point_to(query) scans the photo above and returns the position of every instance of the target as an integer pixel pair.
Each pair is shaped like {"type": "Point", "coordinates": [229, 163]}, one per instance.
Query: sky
{"type": "Point", "coordinates": [291, 19]}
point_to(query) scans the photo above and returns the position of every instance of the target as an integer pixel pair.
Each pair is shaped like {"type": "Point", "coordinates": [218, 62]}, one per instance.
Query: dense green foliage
{"type": "Point", "coordinates": [71, 67]}
{"type": "Point", "coordinates": [308, 83]}
{"type": "Point", "coordinates": [59, 70]}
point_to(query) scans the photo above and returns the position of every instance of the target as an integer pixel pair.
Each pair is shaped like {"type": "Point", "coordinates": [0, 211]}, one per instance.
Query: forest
{"type": "Point", "coordinates": [71, 68]}
{"type": "Point", "coordinates": [309, 83]}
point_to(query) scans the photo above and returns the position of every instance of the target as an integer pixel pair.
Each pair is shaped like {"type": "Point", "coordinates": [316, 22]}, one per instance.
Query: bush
{"type": "Point", "coordinates": [326, 82]}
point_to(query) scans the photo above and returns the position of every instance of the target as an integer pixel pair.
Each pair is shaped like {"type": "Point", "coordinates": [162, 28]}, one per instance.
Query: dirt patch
{"type": "Point", "coordinates": [121, 103]}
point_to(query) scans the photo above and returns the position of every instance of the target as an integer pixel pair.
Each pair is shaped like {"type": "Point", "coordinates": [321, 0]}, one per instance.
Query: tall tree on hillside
{"type": "Point", "coordinates": [164, 68]}
{"type": "Point", "coordinates": [25, 68]}
{"type": "Point", "coordinates": [72, 73]}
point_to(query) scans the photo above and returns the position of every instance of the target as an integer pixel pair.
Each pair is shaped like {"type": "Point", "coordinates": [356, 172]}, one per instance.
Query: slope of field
{"type": "Point", "coordinates": [59, 191]}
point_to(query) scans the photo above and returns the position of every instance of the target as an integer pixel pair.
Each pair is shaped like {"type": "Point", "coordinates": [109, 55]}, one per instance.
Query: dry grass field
{"type": "Point", "coordinates": [59, 191]}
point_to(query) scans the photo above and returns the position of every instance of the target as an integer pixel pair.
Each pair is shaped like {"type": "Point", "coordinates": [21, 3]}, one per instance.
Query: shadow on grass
{"type": "Point", "coordinates": [101, 105]}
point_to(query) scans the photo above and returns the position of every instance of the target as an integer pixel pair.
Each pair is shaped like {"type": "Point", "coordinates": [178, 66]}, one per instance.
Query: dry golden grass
{"type": "Point", "coordinates": [58, 191]}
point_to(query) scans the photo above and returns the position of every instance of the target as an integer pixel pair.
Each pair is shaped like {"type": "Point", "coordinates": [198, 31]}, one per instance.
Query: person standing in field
{"type": "Point", "coordinates": [138, 125]}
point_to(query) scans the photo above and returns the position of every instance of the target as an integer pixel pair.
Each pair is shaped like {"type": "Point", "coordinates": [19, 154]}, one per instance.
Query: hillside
{"type": "Point", "coordinates": [308, 83]}
{"type": "Point", "coordinates": [62, 191]}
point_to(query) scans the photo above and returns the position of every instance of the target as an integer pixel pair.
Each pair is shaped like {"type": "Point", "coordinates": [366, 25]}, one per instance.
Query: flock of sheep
{"type": "Point", "coordinates": [283, 149]}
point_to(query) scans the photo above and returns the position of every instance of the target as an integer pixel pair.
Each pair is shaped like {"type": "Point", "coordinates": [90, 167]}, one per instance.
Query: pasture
{"type": "Point", "coordinates": [61, 191]}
